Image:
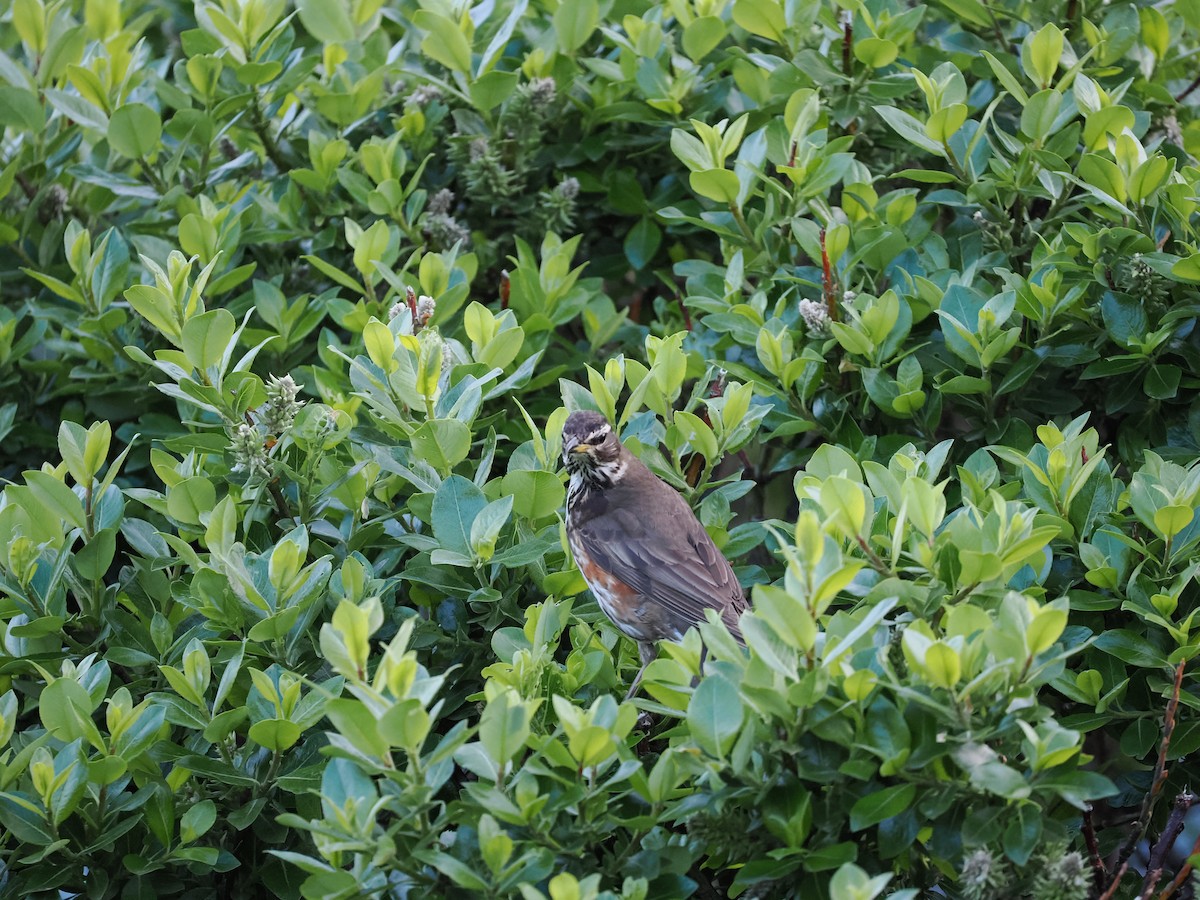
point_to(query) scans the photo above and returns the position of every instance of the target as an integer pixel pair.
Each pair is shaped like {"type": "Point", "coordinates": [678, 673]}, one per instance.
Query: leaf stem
{"type": "Point", "coordinates": [745, 229]}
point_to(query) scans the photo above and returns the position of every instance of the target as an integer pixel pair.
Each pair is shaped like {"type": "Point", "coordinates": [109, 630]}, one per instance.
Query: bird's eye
{"type": "Point", "coordinates": [599, 435]}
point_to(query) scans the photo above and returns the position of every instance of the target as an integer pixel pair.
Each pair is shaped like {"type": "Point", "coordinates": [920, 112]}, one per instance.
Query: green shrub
{"type": "Point", "coordinates": [296, 301]}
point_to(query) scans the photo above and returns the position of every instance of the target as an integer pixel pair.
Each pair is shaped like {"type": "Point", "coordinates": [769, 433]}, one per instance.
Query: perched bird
{"type": "Point", "coordinates": [649, 562]}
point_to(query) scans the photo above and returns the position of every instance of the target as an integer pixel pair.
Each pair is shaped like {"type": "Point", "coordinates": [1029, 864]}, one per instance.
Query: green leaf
{"type": "Point", "coordinates": [1045, 49]}
{"type": "Point", "coordinates": [1188, 269]}
{"type": "Point", "coordinates": [845, 504]}
{"type": "Point", "coordinates": [207, 337]}
{"type": "Point", "coordinates": [690, 150]}
{"type": "Point", "coordinates": [331, 271]}
{"type": "Point", "coordinates": [66, 712]}
{"type": "Point", "coordinates": [275, 734]}
{"type": "Point", "coordinates": [58, 286]}
{"type": "Point", "coordinates": [1170, 520]}
{"type": "Point", "coordinates": [134, 130]}
{"type": "Point", "coordinates": [454, 869]}
{"type": "Point", "coordinates": [715, 715]}
{"type": "Point", "coordinates": [1162, 381]}
{"type": "Point", "coordinates": [1102, 174]}
{"type": "Point", "coordinates": [851, 339]}
{"type": "Point", "coordinates": [1046, 628]}
{"type": "Point", "coordinates": [455, 505]}
{"type": "Point", "coordinates": [944, 123]}
{"type": "Point", "coordinates": [485, 529]}
{"type": "Point", "coordinates": [190, 499]}
{"type": "Point", "coordinates": [490, 90]}
{"type": "Point", "coordinates": [642, 242]}
{"type": "Point", "coordinates": [1079, 788]}
{"type": "Point", "coordinates": [196, 822]}
{"type": "Point", "coordinates": [909, 128]}
{"type": "Point", "coordinates": [997, 778]}
{"type": "Point", "coordinates": [500, 40]}
{"type": "Point", "coordinates": [762, 17]}
{"type": "Point", "coordinates": [445, 42]}
{"type": "Point", "coordinates": [56, 498]}
{"type": "Point", "coordinates": [1149, 177]}
{"type": "Point", "coordinates": [721, 185]}
{"type": "Point", "coordinates": [83, 453]}
{"type": "Point", "coordinates": [1022, 834]}
{"type": "Point", "coordinates": [20, 109]}
{"type": "Point", "coordinates": [702, 35]}
{"type": "Point", "coordinates": [1006, 78]}
{"type": "Point", "coordinates": [504, 726]}
{"type": "Point", "coordinates": [1039, 114]}
{"type": "Point", "coordinates": [443, 443]}
{"type": "Point", "coordinates": [876, 52]}
{"type": "Point", "coordinates": [156, 308]}
{"type": "Point", "coordinates": [536, 494]}
{"type": "Point", "coordinates": [943, 665]}
{"type": "Point", "coordinates": [406, 724]}
{"type": "Point", "coordinates": [698, 434]}
{"type": "Point", "coordinates": [326, 20]}
{"type": "Point", "coordinates": [1124, 317]}
{"type": "Point", "coordinates": [355, 723]}
{"type": "Point", "coordinates": [1131, 647]}
{"type": "Point", "coordinates": [574, 23]}
{"type": "Point", "coordinates": [880, 805]}
{"type": "Point", "coordinates": [380, 345]}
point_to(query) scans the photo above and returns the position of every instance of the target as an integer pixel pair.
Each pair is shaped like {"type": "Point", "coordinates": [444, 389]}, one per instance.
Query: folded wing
{"type": "Point", "coordinates": [678, 566]}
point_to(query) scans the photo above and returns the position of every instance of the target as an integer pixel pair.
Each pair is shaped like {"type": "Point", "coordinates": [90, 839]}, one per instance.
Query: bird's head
{"type": "Point", "coordinates": [589, 443]}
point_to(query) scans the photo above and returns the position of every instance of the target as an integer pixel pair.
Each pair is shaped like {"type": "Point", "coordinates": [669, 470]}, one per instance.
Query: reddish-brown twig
{"type": "Point", "coordinates": [1166, 840]}
{"type": "Point", "coordinates": [1186, 92]}
{"type": "Point", "coordinates": [1181, 876]}
{"type": "Point", "coordinates": [1099, 873]}
{"type": "Point", "coordinates": [847, 43]}
{"type": "Point", "coordinates": [687, 318]}
{"type": "Point", "coordinates": [828, 287]}
{"type": "Point", "coordinates": [1121, 863]}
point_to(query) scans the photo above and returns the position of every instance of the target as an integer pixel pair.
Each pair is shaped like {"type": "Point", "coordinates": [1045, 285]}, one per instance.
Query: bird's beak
{"type": "Point", "coordinates": [572, 444]}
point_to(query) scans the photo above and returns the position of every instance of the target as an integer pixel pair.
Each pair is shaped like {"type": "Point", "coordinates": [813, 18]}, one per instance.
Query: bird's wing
{"type": "Point", "coordinates": [676, 564]}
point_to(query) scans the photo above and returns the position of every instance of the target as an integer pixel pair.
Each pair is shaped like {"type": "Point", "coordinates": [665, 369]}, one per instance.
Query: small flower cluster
{"type": "Point", "coordinates": [815, 317]}
{"type": "Point", "coordinates": [279, 412]}
{"type": "Point", "coordinates": [441, 228]}
{"type": "Point", "coordinates": [1172, 133]}
{"type": "Point", "coordinates": [250, 444]}
{"type": "Point", "coordinates": [531, 104]}
{"type": "Point", "coordinates": [983, 876]}
{"type": "Point", "coordinates": [557, 206]}
{"type": "Point", "coordinates": [423, 95]}
{"type": "Point", "coordinates": [997, 235]}
{"type": "Point", "coordinates": [1134, 276]}
{"type": "Point", "coordinates": [1054, 874]}
{"type": "Point", "coordinates": [426, 307]}
{"type": "Point", "coordinates": [1065, 876]}
{"type": "Point", "coordinates": [488, 179]}
{"type": "Point", "coordinates": [422, 309]}
{"type": "Point", "coordinates": [54, 203]}
{"type": "Point", "coordinates": [249, 452]}
{"type": "Point", "coordinates": [543, 92]}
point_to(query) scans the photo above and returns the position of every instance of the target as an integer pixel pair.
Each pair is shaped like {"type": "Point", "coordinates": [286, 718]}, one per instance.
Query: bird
{"type": "Point", "coordinates": [650, 564]}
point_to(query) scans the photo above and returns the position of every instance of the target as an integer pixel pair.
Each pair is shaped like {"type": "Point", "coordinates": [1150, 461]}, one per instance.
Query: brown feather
{"type": "Point", "coordinates": [643, 533]}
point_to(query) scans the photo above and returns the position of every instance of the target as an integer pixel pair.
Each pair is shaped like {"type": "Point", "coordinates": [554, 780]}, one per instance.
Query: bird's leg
{"type": "Point", "coordinates": [648, 653]}
{"type": "Point", "coordinates": [703, 656]}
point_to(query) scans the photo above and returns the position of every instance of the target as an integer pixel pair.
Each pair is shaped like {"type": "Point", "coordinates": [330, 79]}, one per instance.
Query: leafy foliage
{"type": "Point", "coordinates": [903, 300]}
